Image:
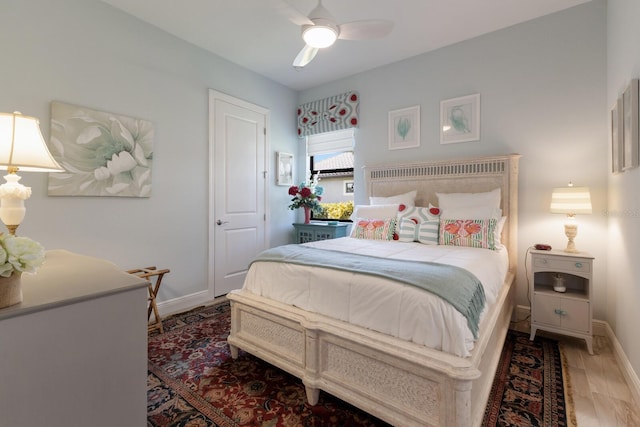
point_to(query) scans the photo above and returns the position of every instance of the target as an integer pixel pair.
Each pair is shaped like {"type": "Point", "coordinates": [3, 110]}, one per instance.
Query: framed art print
{"type": "Point", "coordinates": [460, 119]}
{"type": "Point", "coordinates": [617, 147]}
{"type": "Point", "coordinates": [630, 125]}
{"type": "Point", "coordinates": [284, 168]}
{"type": "Point", "coordinates": [404, 128]}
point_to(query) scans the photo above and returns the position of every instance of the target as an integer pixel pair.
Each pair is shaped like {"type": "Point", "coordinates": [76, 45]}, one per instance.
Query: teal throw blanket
{"type": "Point", "coordinates": [457, 286]}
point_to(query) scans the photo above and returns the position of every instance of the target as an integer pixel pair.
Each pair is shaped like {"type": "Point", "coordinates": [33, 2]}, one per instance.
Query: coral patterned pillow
{"type": "Point", "coordinates": [474, 233]}
{"type": "Point", "coordinates": [374, 229]}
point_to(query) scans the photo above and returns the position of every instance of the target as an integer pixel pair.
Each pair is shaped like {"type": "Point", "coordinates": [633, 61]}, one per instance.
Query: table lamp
{"type": "Point", "coordinates": [571, 200]}
{"type": "Point", "coordinates": [22, 147]}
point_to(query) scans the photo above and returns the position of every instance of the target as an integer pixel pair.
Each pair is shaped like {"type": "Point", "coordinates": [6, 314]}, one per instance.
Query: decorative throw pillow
{"type": "Point", "coordinates": [373, 229]}
{"type": "Point", "coordinates": [425, 232]}
{"type": "Point", "coordinates": [474, 233]}
{"type": "Point", "coordinates": [418, 224]}
{"type": "Point", "coordinates": [418, 214]}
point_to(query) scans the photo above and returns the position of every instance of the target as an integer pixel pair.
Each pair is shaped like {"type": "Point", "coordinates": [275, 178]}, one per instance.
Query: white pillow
{"type": "Point", "coordinates": [471, 212]}
{"type": "Point", "coordinates": [490, 199]}
{"type": "Point", "coordinates": [375, 211]}
{"type": "Point", "coordinates": [407, 199]}
{"type": "Point", "coordinates": [498, 232]}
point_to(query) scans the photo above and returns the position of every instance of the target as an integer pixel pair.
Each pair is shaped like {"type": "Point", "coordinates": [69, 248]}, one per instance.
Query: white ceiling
{"type": "Point", "coordinates": [252, 33]}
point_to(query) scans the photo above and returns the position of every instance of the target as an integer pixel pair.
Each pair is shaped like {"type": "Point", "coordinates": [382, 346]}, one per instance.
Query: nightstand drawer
{"type": "Point", "coordinates": [553, 264]}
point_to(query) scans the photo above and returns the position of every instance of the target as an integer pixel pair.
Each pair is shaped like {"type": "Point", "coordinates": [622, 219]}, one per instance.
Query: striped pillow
{"type": "Point", "coordinates": [425, 232]}
{"type": "Point", "coordinates": [416, 224]}
{"type": "Point", "coordinates": [418, 214]}
{"type": "Point", "coordinates": [374, 229]}
{"type": "Point", "coordinates": [474, 233]}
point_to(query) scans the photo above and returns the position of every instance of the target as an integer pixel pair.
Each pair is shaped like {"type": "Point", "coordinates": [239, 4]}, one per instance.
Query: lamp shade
{"type": "Point", "coordinates": [22, 145]}
{"type": "Point", "coordinates": [571, 200]}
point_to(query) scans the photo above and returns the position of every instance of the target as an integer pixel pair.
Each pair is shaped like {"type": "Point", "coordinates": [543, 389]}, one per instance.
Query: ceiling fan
{"type": "Point", "coordinates": [320, 29]}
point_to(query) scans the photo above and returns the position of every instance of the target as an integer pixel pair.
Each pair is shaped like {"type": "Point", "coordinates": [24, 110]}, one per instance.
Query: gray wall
{"type": "Point", "coordinates": [87, 53]}
{"type": "Point", "coordinates": [543, 94]}
{"type": "Point", "coordinates": [623, 281]}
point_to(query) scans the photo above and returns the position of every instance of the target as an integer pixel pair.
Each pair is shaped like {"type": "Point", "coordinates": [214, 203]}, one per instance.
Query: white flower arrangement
{"type": "Point", "coordinates": [19, 254]}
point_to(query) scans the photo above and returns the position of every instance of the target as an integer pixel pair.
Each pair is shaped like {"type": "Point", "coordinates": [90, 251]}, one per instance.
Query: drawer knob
{"type": "Point", "coordinates": [578, 265]}
{"type": "Point", "coordinates": [560, 312]}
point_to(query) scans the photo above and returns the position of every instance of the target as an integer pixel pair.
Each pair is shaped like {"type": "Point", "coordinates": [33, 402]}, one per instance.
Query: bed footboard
{"type": "Point", "coordinates": [400, 382]}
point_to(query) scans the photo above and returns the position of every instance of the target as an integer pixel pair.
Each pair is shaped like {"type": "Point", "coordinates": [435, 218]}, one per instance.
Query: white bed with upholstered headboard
{"type": "Point", "coordinates": [346, 333]}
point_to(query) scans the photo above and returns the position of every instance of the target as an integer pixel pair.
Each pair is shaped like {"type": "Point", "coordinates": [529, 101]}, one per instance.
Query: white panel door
{"type": "Point", "coordinates": [239, 170]}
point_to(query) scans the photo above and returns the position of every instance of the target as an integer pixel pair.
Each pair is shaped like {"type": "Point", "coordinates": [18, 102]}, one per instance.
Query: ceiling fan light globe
{"type": "Point", "coordinates": [319, 36]}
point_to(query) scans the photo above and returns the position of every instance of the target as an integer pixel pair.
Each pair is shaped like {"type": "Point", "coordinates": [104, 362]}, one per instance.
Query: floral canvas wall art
{"type": "Point", "coordinates": [104, 154]}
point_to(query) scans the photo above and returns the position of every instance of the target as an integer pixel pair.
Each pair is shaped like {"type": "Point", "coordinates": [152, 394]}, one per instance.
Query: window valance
{"type": "Point", "coordinates": [329, 114]}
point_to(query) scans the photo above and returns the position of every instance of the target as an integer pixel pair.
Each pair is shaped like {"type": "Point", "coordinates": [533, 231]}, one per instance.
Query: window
{"type": "Point", "coordinates": [331, 160]}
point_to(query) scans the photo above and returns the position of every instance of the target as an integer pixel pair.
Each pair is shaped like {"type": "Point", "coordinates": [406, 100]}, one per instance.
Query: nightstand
{"type": "Point", "coordinates": [567, 313]}
{"type": "Point", "coordinates": [314, 231]}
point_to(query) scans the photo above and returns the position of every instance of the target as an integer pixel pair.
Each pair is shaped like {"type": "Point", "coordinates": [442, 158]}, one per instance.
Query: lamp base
{"type": "Point", "coordinates": [571, 231]}
{"type": "Point", "coordinates": [12, 228]}
{"type": "Point", "coordinates": [12, 197]}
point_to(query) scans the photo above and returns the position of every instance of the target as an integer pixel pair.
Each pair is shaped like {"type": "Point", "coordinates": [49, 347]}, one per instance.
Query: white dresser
{"type": "Point", "coordinates": [74, 352]}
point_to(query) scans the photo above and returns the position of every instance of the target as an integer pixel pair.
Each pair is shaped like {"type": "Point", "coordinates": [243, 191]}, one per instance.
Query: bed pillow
{"type": "Point", "coordinates": [471, 212]}
{"type": "Point", "coordinates": [374, 229]}
{"type": "Point", "coordinates": [479, 212]}
{"type": "Point", "coordinates": [489, 199]}
{"type": "Point", "coordinates": [498, 233]}
{"type": "Point", "coordinates": [418, 224]}
{"type": "Point", "coordinates": [474, 233]}
{"type": "Point", "coordinates": [407, 199]}
{"type": "Point", "coordinates": [419, 214]}
{"type": "Point", "coordinates": [375, 211]}
{"type": "Point", "coordinates": [425, 232]}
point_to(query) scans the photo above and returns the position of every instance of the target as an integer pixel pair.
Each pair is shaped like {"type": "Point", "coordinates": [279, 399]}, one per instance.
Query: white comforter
{"type": "Point", "coordinates": [380, 304]}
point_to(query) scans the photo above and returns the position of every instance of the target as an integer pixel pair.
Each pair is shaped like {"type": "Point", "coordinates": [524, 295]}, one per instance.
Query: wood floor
{"type": "Point", "coordinates": [600, 394]}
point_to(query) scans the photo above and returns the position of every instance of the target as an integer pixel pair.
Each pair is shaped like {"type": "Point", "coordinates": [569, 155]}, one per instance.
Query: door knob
{"type": "Point", "coordinates": [219, 222]}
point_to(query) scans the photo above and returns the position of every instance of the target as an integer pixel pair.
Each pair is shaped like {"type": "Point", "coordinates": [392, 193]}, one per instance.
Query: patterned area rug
{"type": "Point", "coordinates": [193, 382]}
{"type": "Point", "coordinates": [530, 386]}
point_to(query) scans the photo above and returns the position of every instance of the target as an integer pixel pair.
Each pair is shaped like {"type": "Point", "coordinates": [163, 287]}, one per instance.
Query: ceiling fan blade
{"type": "Point", "coordinates": [364, 30]}
{"type": "Point", "coordinates": [291, 13]}
{"type": "Point", "coordinates": [305, 56]}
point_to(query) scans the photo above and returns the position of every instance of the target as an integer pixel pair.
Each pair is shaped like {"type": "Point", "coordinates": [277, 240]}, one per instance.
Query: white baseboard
{"type": "Point", "coordinates": [602, 328]}
{"type": "Point", "coordinates": [187, 302]}
{"type": "Point", "coordinates": [629, 374]}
